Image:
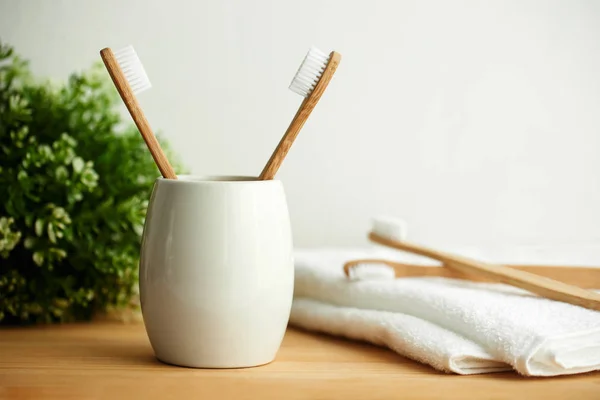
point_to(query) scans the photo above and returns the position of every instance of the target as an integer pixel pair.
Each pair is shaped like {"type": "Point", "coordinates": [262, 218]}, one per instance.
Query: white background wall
{"type": "Point", "coordinates": [476, 121]}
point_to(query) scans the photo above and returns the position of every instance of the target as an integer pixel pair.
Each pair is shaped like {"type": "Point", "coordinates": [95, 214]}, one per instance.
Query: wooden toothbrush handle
{"type": "Point", "coordinates": [540, 285]}
{"type": "Point", "coordinates": [584, 277]}
{"type": "Point", "coordinates": [138, 116]}
{"type": "Point", "coordinates": [299, 119]}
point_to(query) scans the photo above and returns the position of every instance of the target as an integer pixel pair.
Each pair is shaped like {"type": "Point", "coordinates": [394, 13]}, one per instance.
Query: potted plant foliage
{"type": "Point", "coordinates": [75, 178]}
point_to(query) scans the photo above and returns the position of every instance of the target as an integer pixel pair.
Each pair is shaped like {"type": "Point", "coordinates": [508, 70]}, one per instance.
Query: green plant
{"type": "Point", "coordinates": [74, 185]}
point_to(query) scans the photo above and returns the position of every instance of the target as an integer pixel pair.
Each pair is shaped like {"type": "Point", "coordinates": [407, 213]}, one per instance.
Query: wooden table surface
{"type": "Point", "coordinates": [114, 360]}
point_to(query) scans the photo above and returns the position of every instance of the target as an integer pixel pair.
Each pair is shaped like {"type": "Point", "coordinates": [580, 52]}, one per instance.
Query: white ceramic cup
{"type": "Point", "coordinates": [216, 271]}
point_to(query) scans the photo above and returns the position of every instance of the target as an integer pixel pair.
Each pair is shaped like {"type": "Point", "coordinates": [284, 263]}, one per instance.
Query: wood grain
{"type": "Point", "coordinates": [584, 277]}
{"type": "Point", "coordinates": [540, 285]}
{"type": "Point", "coordinates": [300, 118]}
{"type": "Point", "coordinates": [135, 110]}
{"type": "Point", "coordinates": [102, 361]}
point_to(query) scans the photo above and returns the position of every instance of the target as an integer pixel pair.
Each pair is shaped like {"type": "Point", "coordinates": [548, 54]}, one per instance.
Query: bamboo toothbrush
{"type": "Point", "coordinates": [388, 233]}
{"type": "Point", "coordinates": [379, 268]}
{"type": "Point", "coordinates": [310, 82]}
{"type": "Point", "coordinates": [128, 75]}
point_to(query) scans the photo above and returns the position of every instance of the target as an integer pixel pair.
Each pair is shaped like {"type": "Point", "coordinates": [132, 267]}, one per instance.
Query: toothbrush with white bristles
{"type": "Point", "coordinates": [130, 78]}
{"type": "Point", "coordinates": [310, 82]}
{"type": "Point", "coordinates": [390, 232]}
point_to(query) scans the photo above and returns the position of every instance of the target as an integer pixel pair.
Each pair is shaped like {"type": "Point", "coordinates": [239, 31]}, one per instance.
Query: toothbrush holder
{"type": "Point", "coordinates": [216, 271]}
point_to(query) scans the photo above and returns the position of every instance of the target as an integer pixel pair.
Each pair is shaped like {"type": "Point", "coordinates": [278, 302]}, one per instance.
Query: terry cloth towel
{"type": "Point", "coordinates": [452, 325]}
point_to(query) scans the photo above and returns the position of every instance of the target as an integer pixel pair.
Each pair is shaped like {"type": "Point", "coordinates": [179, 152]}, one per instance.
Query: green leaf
{"type": "Point", "coordinates": [29, 242]}
{"type": "Point", "coordinates": [61, 173]}
{"type": "Point", "coordinates": [59, 253]}
{"type": "Point", "coordinates": [51, 233]}
{"type": "Point", "coordinates": [78, 164]}
{"type": "Point", "coordinates": [38, 258]}
{"type": "Point", "coordinates": [39, 227]}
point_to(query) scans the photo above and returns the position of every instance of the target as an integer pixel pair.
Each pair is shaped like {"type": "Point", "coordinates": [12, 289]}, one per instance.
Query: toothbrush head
{"type": "Point", "coordinates": [389, 227]}
{"type": "Point", "coordinates": [310, 71]}
{"type": "Point", "coordinates": [132, 69]}
{"type": "Point", "coordinates": [370, 271]}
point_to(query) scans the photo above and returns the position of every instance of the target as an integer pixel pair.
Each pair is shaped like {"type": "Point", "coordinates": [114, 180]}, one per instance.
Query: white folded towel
{"type": "Point", "coordinates": [452, 325]}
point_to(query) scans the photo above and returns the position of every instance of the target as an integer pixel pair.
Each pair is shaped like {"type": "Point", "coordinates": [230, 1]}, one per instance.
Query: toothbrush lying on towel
{"type": "Point", "coordinates": [310, 82]}
{"type": "Point", "coordinates": [391, 234]}
{"type": "Point", "coordinates": [379, 268]}
{"type": "Point", "coordinates": [128, 75]}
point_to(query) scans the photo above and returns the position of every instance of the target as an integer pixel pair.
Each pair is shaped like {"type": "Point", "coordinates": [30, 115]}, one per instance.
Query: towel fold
{"type": "Point", "coordinates": [452, 325]}
{"type": "Point", "coordinates": [412, 337]}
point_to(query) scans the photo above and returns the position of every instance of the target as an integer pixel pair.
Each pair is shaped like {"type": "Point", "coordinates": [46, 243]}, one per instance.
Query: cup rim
{"type": "Point", "coordinates": [194, 179]}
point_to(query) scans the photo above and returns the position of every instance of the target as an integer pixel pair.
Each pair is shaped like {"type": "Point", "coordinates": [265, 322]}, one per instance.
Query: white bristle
{"type": "Point", "coordinates": [310, 72]}
{"type": "Point", "coordinates": [389, 227]}
{"type": "Point", "coordinates": [133, 69]}
{"type": "Point", "coordinates": [362, 272]}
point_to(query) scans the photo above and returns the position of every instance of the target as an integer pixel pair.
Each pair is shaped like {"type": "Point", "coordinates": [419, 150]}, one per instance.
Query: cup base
{"type": "Point", "coordinates": [239, 365]}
